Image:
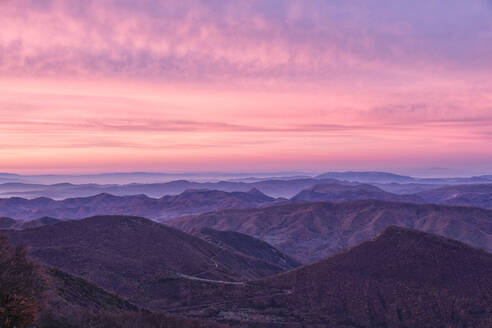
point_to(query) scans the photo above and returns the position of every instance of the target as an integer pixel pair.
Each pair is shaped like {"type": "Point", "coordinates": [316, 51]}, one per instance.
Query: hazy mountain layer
{"type": "Point", "coordinates": [188, 202]}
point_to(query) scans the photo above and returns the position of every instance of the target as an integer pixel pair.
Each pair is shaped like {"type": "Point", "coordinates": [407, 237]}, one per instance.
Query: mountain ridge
{"type": "Point", "coordinates": [377, 283]}
{"type": "Point", "coordinates": [188, 202]}
{"type": "Point", "coordinates": [123, 254]}
{"type": "Point", "coordinates": [311, 231]}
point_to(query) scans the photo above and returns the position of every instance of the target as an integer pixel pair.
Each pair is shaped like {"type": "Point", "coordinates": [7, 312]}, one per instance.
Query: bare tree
{"type": "Point", "coordinates": [20, 287]}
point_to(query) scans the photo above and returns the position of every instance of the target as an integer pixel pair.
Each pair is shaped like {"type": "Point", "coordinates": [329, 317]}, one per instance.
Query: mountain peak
{"type": "Point", "coordinates": [412, 239]}
{"type": "Point", "coordinates": [256, 192]}
{"type": "Point", "coordinates": [366, 176]}
{"type": "Point", "coordinates": [103, 195]}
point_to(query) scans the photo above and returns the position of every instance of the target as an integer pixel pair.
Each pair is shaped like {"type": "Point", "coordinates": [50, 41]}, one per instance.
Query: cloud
{"type": "Point", "coordinates": [200, 41]}
{"type": "Point", "coordinates": [138, 125]}
{"type": "Point", "coordinates": [280, 79]}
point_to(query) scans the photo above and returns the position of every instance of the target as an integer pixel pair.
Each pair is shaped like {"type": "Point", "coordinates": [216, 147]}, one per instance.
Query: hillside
{"type": "Point", "coordinates": [403, 278]}
{"type": "Point", "coordinates": [311, 231]}
{"type": "Point", "coordinates": [120, 254]}
{"type": "Point", "coordinates": [76, 303]}
{"type": "Point", "coordinates": [249, 246]}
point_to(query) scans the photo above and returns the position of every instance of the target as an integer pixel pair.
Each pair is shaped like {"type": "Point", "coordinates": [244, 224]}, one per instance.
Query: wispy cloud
{"type": "Point", "coordinates": [217, 40]}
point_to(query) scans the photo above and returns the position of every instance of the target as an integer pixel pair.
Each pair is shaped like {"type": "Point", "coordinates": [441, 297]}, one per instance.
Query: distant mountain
{"type": "Point", "coordinates": [258, 179]}
{"type": "Point", "coordinates": [311, 231]}
{"type": "Point", "coordinates": [403, 278]}
{"type": "Point", "coordinates": [19, 187]}
{"type": "Point", "coordinates": [367, 177]}
{"type": "Point", "coordinates": [186, 203]}
{"type": "Point", "coordinates": [336, 192]}
{"type": "Point", "coordinates": [120, 253]}
{"type": "Point", "coordinates": [385, 178]}
{"type": "Point", "coordinates": [139, 177]}
{"type": "Point", "coordinates": [455, 181]}
{"type": "Point", "coordinates": [406, 188]}
{"type": "Point", "coordinates": [249, 246]}
{"type": "Point", "coordinates": [9, 177]}
{"type": "Point", "coordinates": [478, 195]}
{"type": "Point", "coordinates": [273, 188]}
{"type": "Point", "coordinates": [285, 187]}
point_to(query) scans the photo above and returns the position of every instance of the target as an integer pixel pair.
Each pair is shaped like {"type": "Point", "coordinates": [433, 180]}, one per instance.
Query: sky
{"type": "Point", "coordinates": [246, 85]}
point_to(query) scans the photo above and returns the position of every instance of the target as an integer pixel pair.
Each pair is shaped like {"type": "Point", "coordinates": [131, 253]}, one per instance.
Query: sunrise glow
{"type": "Point", "coordinates": [97, 86]}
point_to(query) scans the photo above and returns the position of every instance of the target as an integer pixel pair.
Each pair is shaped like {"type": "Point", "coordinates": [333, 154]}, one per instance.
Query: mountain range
{"type": "Point", "coordinates": [336, 250]}
{"type": "Point", "coordinates": [311, 231]}
{"type": "Point", "coordinates": [188, 202]}
{"type": "Point", "coordinates": [476, 195]}
{"type": "Point", "coordinates": [120, 265]}
{"type": "Point", "coordinates": [386, 177]}
{"type": "Point", "coordinates": [192, 202]}
{"type": "Point", "coordinates": [479, 195]}
{"type": "Point", "coordinates": [275, 187]}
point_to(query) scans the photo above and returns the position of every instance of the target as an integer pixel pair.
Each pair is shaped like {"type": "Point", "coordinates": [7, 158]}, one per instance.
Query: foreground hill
{"type": "Point", "coordinates": [122, 253]}
{"type": "Point", "coordinates": [186, 203]}
{"type": "Point", "coordinates": [311, 231]}
{"type": "Point", "coordinates": [479, 195]}
{"type": "Point", "coordinates": [76, 303]}
{"type": "Point", "coordinates": [336, 192]}
{"type": "Point", "coordinates": [38, 296]}
{"type": "Point", "coordinates": [403, 278]}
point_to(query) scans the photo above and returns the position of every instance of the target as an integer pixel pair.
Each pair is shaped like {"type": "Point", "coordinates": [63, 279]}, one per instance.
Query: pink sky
{"type": "Point", "coordinates": [99, 86]}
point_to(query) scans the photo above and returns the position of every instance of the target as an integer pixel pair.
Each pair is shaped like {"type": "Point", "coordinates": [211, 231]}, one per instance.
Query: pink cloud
{"type": "Point", "coordinates": [243, 83]}
{"type": "Point", "coordinates": [202, 41]}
